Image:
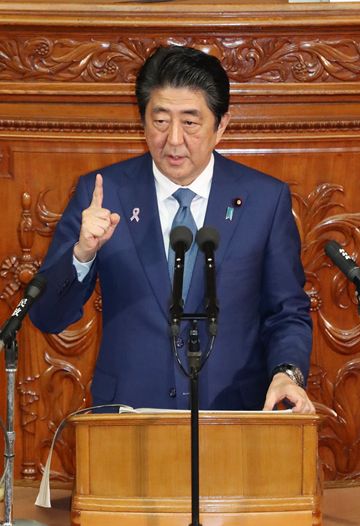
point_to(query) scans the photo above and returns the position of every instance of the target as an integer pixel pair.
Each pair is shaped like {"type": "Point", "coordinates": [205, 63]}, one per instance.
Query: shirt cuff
{"type": "Point", "coordinates": [82, 269]}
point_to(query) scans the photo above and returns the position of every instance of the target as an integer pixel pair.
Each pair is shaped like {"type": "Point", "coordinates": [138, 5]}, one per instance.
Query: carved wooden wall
{"type": "Point", "coordinates": [67, 107]}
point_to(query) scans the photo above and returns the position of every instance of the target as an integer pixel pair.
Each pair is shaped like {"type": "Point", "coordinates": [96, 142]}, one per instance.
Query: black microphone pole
{"type": "Point", "coordinates": [180, 241]}
{"type": "Point", "coordinates": [345, 263]}
{"type": "Point", "coordinates": [194, 357]}
{"type": "Point", "coordinates": [207, 239]}
{"type": "Point", "coordinates": [8, 334]}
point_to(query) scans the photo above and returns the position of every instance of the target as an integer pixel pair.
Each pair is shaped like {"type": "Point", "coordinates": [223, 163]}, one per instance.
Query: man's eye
{"type": "Point", "coordinates": [160, 123]}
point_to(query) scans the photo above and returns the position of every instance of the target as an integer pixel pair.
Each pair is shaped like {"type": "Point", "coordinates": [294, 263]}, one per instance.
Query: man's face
{"type": "Point", "coordinates": [180, 132]}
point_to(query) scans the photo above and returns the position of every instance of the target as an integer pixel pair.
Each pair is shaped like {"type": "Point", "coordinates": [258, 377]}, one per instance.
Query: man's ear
{"type": "Point", "coordinates": [225, 119]}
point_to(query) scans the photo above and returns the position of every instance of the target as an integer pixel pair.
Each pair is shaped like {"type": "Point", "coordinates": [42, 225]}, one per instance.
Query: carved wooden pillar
{"type": "Point", "coordinates": [21, 269]}
{"type": "Point", "coordinates": [28, 369]}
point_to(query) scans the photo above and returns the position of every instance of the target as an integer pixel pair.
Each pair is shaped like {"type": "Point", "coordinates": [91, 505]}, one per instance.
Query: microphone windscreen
{"type": "Point", "coordinates": [207, 234]}
{"type": "Point", "coordinates": [340, 257]}
{"type": "Point", "coordinates": [36, 286]}
{"type": "Point", "coordinates": [181, 234]}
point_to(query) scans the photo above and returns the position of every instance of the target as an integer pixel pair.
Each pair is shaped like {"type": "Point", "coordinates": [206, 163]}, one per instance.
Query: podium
{"type": "Point", "coordinates": [256, 469]}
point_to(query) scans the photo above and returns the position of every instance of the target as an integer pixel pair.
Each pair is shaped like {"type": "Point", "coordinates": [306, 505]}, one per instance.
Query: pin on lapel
{"type": "Point", "coordinates": [229, 213]}
{"type": "Point", "coordinates": [135, 215]}
{"type": "Point", "coordinates": [230, 209]}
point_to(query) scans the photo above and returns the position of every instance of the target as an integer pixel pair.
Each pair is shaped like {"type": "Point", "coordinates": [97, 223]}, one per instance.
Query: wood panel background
{"type": "Point", "coordinates": [67, 75]}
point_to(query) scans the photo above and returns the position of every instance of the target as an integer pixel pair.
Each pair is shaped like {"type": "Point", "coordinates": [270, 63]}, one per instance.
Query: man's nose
{"type": "Point", "coordinates": [175, 135]}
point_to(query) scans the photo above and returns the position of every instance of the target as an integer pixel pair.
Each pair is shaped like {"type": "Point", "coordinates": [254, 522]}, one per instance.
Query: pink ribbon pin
{"type": "Point", "coordinates": [135, 215]}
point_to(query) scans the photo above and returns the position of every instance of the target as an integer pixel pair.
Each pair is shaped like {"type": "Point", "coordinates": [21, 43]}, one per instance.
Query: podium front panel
{"type": "Point", "coordinates": [262, 467]}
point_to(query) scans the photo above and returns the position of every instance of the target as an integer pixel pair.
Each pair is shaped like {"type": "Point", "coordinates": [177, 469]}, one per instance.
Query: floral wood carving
{"type": "Point", "coordinates": [19, 270]}
{"type": "Point", "coordinates": [52, 381]}
{"type": "Point", "coordinates": [316, 226]}
{"type": "Point", "coordinates": [246, 59]}
{"type": "Point", "coordinates": [73, 342]}
{"type": "Point", "coordinates": [292, 60]}
{"type": "Point", "coordinates": [335, 393]}
{"type": "Point", "coordinates": [34, 386]}
{"type": "Point", "coordinates": [339, 443]}
{"type": "Point", "coordinates": [47, 218]}
{"type": "Point", "coordinates": [43, 58]}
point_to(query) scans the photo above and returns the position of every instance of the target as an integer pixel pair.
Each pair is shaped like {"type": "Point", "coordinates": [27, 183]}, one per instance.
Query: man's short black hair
{"type": "Point", "coordinates": [184, 67]}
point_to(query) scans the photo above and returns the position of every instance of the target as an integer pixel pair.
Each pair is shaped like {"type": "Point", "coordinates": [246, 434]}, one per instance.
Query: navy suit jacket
{"type": "Point", "coordinates": [263, 311]}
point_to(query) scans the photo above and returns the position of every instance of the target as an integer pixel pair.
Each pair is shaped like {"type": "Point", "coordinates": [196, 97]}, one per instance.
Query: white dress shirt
{"type": "Point", "coordinates": [168, 206]}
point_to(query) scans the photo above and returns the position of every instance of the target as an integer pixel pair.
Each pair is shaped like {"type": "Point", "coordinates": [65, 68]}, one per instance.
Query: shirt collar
{"type": "Point", "coordinates": [201, 185]}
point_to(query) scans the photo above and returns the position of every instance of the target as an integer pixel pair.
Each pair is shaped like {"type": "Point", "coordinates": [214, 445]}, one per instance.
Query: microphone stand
{"type": "Point", "coordinates": [11, 359]}
{"type": "Point", "coordinates": [207, 239]}
{"type": "Point", "coordinates": [195, 364]}
{"type": "Point", "coordinates": [194, 357]}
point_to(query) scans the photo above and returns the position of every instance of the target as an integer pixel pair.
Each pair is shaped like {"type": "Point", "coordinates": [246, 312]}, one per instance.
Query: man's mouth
{"type": "Point", "coordinates": [175, 159]}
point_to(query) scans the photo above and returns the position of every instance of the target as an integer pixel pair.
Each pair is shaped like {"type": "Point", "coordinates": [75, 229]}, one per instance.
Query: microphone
{"type": "Point", "coordinates": [207, 239]}
{"type": "Point", "coordinates": [180, 241]}
{"type": "Point", "coordinates": [33, 291]}
{"type": "Point", "coordinates": [343, 261]}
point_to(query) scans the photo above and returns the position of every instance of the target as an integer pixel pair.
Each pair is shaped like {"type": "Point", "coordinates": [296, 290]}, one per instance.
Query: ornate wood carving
{"type": "Point", "coordinates": [18, 271]}
{"type": "Point", "coordinates": [61, 372]}
{"type": "Point", "coordinates": [248, 59]}
{"type": "Point", "coordinates": [69, 60]}
{"type": "Point", "coordinates": [332, 390]}
{"type": "Point", "coordinates": [48, 219]}
{"type": "Point", "coordinates": [33, 381]}
{"type": "Point", "coordinates": [291, 59]}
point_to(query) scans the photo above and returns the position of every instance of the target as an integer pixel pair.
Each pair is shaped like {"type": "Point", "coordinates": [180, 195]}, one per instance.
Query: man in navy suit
{"type": "Point", "coordinates": [117, 225]}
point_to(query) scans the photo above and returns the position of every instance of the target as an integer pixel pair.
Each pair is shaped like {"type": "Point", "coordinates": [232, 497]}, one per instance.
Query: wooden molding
{"type": "Point", "coordinates": [250, 58]}
{"type": "Point", "coordinates": [135, 128]}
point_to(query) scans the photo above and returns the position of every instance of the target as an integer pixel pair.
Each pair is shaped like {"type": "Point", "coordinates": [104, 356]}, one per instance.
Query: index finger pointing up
{"type": "Point", "coordinates": [97, 197]}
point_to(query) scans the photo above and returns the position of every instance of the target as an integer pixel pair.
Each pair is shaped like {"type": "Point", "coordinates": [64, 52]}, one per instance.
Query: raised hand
{"type": "Point", "coordinates": [97, 226]}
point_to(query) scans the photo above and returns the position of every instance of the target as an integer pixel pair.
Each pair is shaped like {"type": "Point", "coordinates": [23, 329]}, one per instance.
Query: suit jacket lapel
{"type": "Point", "coordinates": [226, 188]}
{"type": "Point", "coordinates": [138, 192]}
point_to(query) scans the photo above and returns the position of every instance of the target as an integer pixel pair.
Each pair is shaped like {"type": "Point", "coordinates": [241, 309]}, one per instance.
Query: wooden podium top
{"type": "Point", "coordinates": [205, 417]}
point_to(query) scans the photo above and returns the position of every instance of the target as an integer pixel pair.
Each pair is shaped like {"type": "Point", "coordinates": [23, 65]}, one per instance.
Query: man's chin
{"type": "Point", "coordinates": [181, 173]}
{"type": "Point", "coordinates": [181, 177]}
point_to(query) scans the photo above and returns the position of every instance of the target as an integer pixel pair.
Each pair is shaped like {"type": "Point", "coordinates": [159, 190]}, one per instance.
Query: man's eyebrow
{"type": "Point", "coordinates": [195, 113]}
{"type": "Point", "coordinates": [160, 109]}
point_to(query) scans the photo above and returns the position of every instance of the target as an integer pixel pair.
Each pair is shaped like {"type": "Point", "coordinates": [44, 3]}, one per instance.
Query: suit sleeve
{"type": "Point", "coordinates": [62, 303]}
{"type": "Point", "coordinates": [286, 327]}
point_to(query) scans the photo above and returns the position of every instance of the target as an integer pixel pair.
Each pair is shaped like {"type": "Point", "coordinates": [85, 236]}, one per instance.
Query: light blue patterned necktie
{"type": "Point", "coordinates": [184, 217]}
